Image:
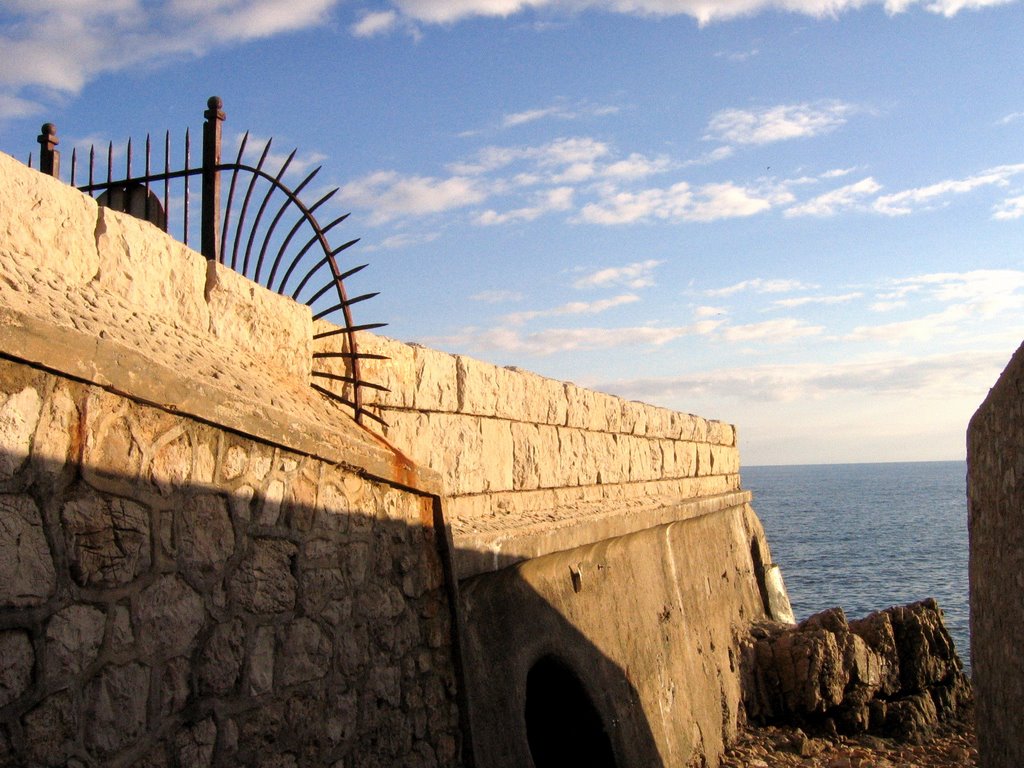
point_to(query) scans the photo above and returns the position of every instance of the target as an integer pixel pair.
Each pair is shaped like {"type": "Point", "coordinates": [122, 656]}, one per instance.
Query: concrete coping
{"type": "Point", "coordinates": [539, 534]}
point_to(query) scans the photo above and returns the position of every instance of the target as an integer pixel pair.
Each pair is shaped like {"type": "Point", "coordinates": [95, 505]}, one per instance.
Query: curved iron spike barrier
{"type": "Point", "coordinates": [320, 274]}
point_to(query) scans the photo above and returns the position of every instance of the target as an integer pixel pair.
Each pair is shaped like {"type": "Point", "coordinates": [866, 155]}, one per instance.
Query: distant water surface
{"type": "Point", "coordinates": [868, 536]}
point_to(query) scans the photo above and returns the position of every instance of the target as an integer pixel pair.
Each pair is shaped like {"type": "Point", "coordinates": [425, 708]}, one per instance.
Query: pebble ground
{"type": "Point", "coordinates": [953, 746]}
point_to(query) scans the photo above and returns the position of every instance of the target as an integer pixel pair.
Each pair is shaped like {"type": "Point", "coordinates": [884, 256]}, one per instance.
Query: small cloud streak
{"type": "Point", "coordinates": [638, 274]}
{"type": "Point", "coordinates": [780, 331]}
{"type": "Point", "coordinates": [374, 23]}
{"type": "Point", "coordinates": [778, 123]}
{"type": "Point", "coordinates": [497, 296]}
{"type": "Point", "coordinates": [573, 308]}
{"type": "Point", "coordinates": [388, 195]}
{"type": "Point", "coordinates": [760, 285]}
{"type": "Point", "coordinates": [830, 203]}
{"type": "Point", "coordinates": [801, 301]}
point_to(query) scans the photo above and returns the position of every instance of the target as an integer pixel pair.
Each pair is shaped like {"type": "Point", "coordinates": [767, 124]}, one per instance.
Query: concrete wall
{"type": "Point", "coordinates": [995, 492]}
{"type": "Point", "coordinates": [203, 562]}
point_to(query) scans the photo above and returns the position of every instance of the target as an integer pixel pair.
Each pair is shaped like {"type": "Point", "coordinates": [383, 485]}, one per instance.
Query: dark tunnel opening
{"type": "Point", "coordinates": [563, 726]}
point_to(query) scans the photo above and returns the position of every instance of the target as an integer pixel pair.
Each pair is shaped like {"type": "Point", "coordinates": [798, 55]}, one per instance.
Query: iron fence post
{"type": "Point", "coordinates": [211, 178]}
{"type": "Point", "coordinates": [49, 155]}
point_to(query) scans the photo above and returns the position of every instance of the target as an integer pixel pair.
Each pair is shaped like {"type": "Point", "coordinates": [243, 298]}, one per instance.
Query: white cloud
{"type": "Point", "coordinates": [801, 301]}
{"type": "Point", "coordinates": [560, 340]}
{"type": "Point", "coordinates": [917, 329]}
{"type": "Point", "coordinates": [13, 107]}
{"type": "Point", "coordinates": [637, 166]}
{"type": "Point", "coordinates": [778, 123]}
{"type": "Point", "coordinates": [1013, 117]}
{"type": "Point", "coordinates": [737, 56]}
{"type": "Point", "coordinates": [705, 312]}
{"type": "Point", "coordinates": [530, 115]}
{"type": "Point", "coordinates": [635, 275]}
{"type": "Point", "coordinates": [907, 201]}
{"type": "Point", "coordinates": [558, 112]}
{"type": "Point", "coordinates": [681, 202]}
{"type": "Point", "coordinates": [62, 46]}
{"type": "Point", "coordinates": [375, 23]}
{"type": "Point", "coordinates": [760, 285]}
{"type": "Point", "coordinates": [936, 377]}
{"type": "Point", "coordinates": [985, 293]}
{"type": "Point", "coordinates": [1010, 208]}
{"type": "Point", "coordinates": [843, 198]}
{"type": "Point", "coordinates": [558, 199]}
{"type": "Point", "coordinates": [836, 173]}
{"type": "Point", "coordinates": [714, 156]}
{"type": "Point", "coordinates": [401, 241]}
{"type": "Point", "coordinates": [950, 8]}
{"type": "Point", "coordinates": [389, 195]}
{"type": "Point", "coordinates": [780, 331]}
{"type": "Point", "coordinates": [703, 11]}
{"type": "Point", "coordinates": [573, 308]}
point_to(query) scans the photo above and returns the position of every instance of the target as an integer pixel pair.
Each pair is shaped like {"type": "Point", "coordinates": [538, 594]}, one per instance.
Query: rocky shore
{"type": "Point", "coordinates": [883, 691]}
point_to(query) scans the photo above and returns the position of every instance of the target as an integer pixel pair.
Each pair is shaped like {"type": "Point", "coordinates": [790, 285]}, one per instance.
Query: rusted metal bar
{"type": "Point", "coordinates": [49, 155]}
{"type": "Point", "coordinates": [188, 159]}
{"type": "Point", "coordinates": [167, 181]}
{"type": "Point", "coordinates": [211, 177]}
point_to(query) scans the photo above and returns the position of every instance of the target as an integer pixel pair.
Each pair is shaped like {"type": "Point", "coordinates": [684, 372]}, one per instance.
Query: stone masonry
{"type": "Point", "coordinates": [995, 500]}
{"type": "Point", "coordinates": [173, 594]}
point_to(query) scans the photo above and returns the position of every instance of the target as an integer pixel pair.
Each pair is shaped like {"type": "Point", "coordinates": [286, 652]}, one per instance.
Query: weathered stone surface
{"type": "Point", "coordinates": [894, 672]}
{"type": "Point", "coordinates": [52, 444]}
{"type": "Point", "coordinates": [305, 653]}
{"type": "Point", "coordinates": [50, 730]}
{"type": "Point", "coordinates": [27, 576]}
{"type": "Point", "coordinates": [19, 414]}
{"type": "Point", "coordinates": [206, 538]}
{"type": "Point", "coordinates": [195, 744]}
{"type": "Point", "coordinates": [264, 582]}
{"type": "Point", "coordinates": [261, 661]}
{"type": "Point", "coordinates": [174, 685]}
{"type": "Point", "coordinates": [220, 664]}
{"type": "Point", "coordinates": [44, 223]}
{"type": "Point", "coordinates": [149, 269]}
{"type": "Point", "coordinates": [16, 660]}
{"type": "Point", "coordinates": [73, 638]}
{"type": "Point", "coordinates": [168, 616]}
{"type": "Point", "coordinates": [272, 329]}
{"type": "Point", "coordinates": [108, 539]}
{"type": "Point", "coordinates": [117, 699]}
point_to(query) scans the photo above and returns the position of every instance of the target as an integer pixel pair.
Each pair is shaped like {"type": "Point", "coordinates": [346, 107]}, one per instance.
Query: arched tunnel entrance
{"type": "Point", "coordinates": [563, 726]}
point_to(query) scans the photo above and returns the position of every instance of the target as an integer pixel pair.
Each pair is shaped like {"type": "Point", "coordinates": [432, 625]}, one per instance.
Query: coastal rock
{"type": "Point", "coordinates": [894, 672]}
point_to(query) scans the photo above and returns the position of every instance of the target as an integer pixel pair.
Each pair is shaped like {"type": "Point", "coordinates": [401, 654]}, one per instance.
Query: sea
{"type": "Point", "coordinates": [868, 536]}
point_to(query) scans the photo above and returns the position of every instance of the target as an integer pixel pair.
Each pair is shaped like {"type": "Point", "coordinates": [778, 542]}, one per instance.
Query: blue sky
{"type": "Point", "coordinates": [805, 217]}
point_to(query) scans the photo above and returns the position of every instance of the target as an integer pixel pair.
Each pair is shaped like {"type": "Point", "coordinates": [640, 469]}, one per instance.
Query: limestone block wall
{"type": "Point", "coordinates": [203, 562]}
{"type": "Point", "coordinates": [995, 492]}
{"type": "Point", "coordinates": [520, 454]}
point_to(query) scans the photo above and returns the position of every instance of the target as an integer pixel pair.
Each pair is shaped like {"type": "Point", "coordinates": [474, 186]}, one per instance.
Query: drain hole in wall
{"type": "Point", "coordinates": [563, 727]}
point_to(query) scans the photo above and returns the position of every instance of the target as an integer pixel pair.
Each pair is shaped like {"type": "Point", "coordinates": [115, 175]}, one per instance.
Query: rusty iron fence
{"type": "Point", "coordinates": [274, 239]}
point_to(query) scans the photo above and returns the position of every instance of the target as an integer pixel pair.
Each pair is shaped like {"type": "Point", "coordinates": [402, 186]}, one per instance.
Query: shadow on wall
{"type": "Point", "coordinates": [173, 594]}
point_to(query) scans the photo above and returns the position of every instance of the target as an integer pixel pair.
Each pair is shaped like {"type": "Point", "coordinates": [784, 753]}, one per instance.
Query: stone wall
{"type": "Point", "coordinates": [209, 563]}
{"type": "Point", "coordinates": [175, 594]}
{"type": "Point", "coordinates": [203, 562]}
{"type": "Point", "coordinates": [530, 465]}
{"type": "Point", "coordinates": [995, 493]}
